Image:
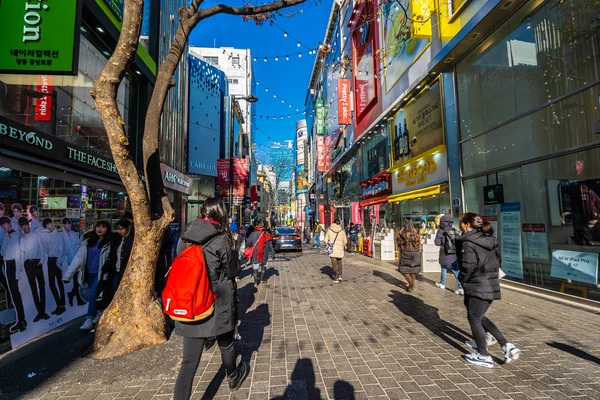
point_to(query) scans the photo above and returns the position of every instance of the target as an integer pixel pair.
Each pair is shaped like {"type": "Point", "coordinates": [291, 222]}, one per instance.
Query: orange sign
{"type": "Point", "coordinates": [344, 115]}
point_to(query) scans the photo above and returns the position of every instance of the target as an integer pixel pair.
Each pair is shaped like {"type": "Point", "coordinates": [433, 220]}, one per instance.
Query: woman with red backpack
{"type": "Point", "coordinates": [212, 233]}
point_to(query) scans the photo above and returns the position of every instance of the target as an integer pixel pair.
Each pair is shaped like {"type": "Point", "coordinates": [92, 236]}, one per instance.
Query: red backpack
{"type": "Point", "coordinates": [188, 296]}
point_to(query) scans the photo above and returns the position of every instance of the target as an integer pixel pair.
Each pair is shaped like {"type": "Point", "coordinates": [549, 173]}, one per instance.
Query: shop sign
{"type": "Point", "coordinates": [417, 128]}
{"type": "Point", "coordinates": [377, 186]}
{"type": "Point", "coordinates": [510, 239]}
{"type": "Point", "coordinates": [535, 240]}
{"type": "Point", "coordinates": [427, 171]}
{"type": "Point", "coordinates": [31, 141]}
{"type": "Point", "coordinates": [39, 37]}
{"type": "Point", "coordinates": [116, 6]}
{"type": "Point", "coordinates": [175, 180]}
{"type": "Point", "coordinates": [320, 117]}
{"type": "Point", "coordinates": [43, 106]}
{"type": "Point", "coordinates": [575, 266]}
{"type": "Point", "coordinates": [344, 116]}
{"type": "Point", "coordinates": [321, 154]}
{"type": "Point", "coordinates": [493, 194]}
{"type": "Point", "coordinates": [240, 178]}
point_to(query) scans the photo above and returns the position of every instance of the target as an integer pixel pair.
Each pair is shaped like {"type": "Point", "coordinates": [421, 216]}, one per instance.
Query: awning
{"type": "Point", "coordinates": [376, 200]}
{"type": "Point", "coordinates": [428, 191]}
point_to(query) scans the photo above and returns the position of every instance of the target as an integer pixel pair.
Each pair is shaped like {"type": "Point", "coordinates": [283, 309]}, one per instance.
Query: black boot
{"type": "Point", "coordinates": [210, 342]}
{"type": "Point", "coordinates": [238, 376]}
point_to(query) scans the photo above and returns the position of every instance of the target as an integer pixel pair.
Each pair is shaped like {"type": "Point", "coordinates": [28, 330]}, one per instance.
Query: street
{"type": "Point", "coordinates": [366, 338]}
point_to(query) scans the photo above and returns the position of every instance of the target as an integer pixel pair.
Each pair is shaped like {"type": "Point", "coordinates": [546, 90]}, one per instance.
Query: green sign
{"type": "Point", "coordinates": [39, 36]}
{"type": "Point", "coordinates": [320, 117]}
{"type": "Point", "coordinates": [116, 6]}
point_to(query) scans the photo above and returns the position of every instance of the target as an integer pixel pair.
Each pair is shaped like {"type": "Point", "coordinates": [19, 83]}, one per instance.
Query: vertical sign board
{"type": "Point", "coordinates": [40, 37]}
{"type": "Point", "coordinates": [43, 106]}
{"type": "Point", "coordinates": [510, 239]}
{"type": "Point", "coordinates": [344, 115]}
{"type": "Point", "coordinates": [535, 240]}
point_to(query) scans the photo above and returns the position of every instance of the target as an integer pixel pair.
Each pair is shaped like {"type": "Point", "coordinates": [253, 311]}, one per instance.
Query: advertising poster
{"type": "Point", "coordinates": [490, 214]}
{"type": "Point", "coordinates": [223, 177]}
{"type": "Point", "coordinates": [43, 106]}
{"type": "Point", "coordinates": [357, 215]}
{"type": "Point", "coordinates": [364, 63]}
{"type": "Point", "coordinates": [510, 239]}
{"type": "Point", "coordinates": [405, 39]}
{"type": "Point", "coordinates": [535, 241]}
{"type": "Point", "coordinates": [301, 179]}
{"type": "Point", "coordinates": [575, 266]}
{"type": "Point", "coordinates": [38, 38]}
{"type": "Point", "coordinates": [240, 178]}
{"type": "Point", "coordinates": [417, 127]}
{"type": "Point", "coordinates": [321, 154]}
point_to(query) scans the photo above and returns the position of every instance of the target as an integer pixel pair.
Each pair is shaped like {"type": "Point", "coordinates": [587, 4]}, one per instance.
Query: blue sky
{"type": "Point", "coordinates": [288, 80]}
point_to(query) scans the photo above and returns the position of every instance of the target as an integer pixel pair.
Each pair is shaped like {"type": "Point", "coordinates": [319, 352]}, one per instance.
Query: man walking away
{"type": "Point", "coordinates": [446, 239]}
{"type": "Point", "coordinates": [317, 236]}
{"type": "Point", "coordinates": [14, 270]}
{"type": "Point", "coordinates": [54, 250]}
{"type": "Point", "coordinates": [336, 237]}
{"type": "Point", "coordinates": [33, 251]}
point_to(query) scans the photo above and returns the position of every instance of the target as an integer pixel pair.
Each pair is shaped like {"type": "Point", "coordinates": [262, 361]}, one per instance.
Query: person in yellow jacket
{"type": "Point", "coordinates": [336, 237]}
{"type": "Point", "coordinates": [317, 236]}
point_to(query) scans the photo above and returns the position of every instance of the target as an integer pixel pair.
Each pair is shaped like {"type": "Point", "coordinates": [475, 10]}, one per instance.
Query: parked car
{"type": "Point", "coordinates": [287, 239]}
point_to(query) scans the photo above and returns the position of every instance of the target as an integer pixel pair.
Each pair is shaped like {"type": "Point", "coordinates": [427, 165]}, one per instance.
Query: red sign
{"type": "Point", "coordinates": [254, 196]}
{"type": "Point", "coordinates": [240, 178]}
{"type": "Point", "coordinates": [43, 106]}
{"type": "Point", "coordinates": [223, 177]}
{"type": "Point", "coordinates": [321, 154]}
{"type": "Point", "coordinates": [379, 185]}
{"type": "Point", "coordinates": [535, 228]}
{"type": "Point", "coordinates": [344, 116]}
{"type": "Point", "coordinates": [357, 215]}
{"type": "Point", "coordinates": [322, 214]}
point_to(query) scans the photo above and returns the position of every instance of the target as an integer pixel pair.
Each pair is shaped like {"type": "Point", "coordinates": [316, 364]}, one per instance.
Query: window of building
{"type": "Point", "coordinates": [211, 60]}
{"type": "Point", "coordinates": [455, 6]}
{"type": "Point", "coordinates": [235, 61]}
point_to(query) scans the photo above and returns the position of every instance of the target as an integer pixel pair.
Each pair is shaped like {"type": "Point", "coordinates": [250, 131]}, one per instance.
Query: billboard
{"type": "Point", "coordinates": [40, 37]}
{"type": "Point", "coordinates": [417, 127]}
{"type": "Point", "coordinates": [206, 93]}
{"type": "Point", "coordinates": [301, 179]}
{"type": "Point", "coordinates": [240, 178]}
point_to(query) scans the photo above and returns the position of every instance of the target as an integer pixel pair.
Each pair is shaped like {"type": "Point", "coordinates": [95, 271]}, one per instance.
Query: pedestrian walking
{"type": "Point", "coordinates": [34, 258]}
{"type": "Point", "coordinates": [336, 240]}
{"type": "Point", "coordinates": [13, 263]}
{"type": "Point", "coordinates": [71, 242]}
{"type": "Point", "coordinates": [317, 236]}
{"type": "Point", "coordinates": [54, 250]}
{"type": "Point", "coordinates": [120, 251]}
{"type": "Point", "coordinates": [445, 238]}
{"type": "Point", "coordinates": [260, 239]}
{"type": "Point", "coordinates": [92, 260]}
{"type": "Point", "coordinates": [479, 264]}
{"type": "Point", "coordinates": [212, 233]}
{"type": "Point", "coordinates": [409, 242]}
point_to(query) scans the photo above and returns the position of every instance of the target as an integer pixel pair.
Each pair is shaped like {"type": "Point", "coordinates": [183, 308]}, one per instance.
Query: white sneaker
{"type": "Point", "coordinates": [440, 285]}
{"type": "Point", "coordinates": [489, 341]}
{"type": "Point", "coordinates": [511, 352]}
{"type": "Point", "coordinates": [88, 325]}
{"type": "Point", "coordinates": [478, 359]}
{"type": "Point", "coordinates": [95, 320]}
{"type": "Point", "coordinates": [340, 279]}
{"type": "Point", "coordinates": [460, 292]}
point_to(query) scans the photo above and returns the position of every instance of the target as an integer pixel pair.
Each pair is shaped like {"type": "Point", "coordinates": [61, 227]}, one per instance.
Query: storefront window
{"type": "Point", "coordinates": [533, 58]}
{"type": "Point", "coordinates": [559, 204]}
{"type": "Point", "coordinates": [69, 112]}
{"type": "Point", "coordinates": [422, 210]}
{"type": "Point", "coordinates": [376, 154]}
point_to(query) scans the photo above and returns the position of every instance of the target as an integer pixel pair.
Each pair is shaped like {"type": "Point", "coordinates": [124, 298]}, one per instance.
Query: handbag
{"type": "Point", "coordinates": [329, 247]}
{"type": "Point", "coordinates": [249, 251]}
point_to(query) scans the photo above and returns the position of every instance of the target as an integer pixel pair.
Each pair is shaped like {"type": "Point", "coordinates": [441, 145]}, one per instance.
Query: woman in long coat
{"type": "Point", "coordinates": [409, 241]}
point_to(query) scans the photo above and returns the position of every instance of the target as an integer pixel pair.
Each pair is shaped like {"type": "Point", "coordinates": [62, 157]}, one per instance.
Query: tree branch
{"type": "Point", "coordinates": [249, 10]}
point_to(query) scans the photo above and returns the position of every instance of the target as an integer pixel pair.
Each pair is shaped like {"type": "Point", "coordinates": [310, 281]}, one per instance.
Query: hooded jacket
{"type": "Point", "coordinates": [339, 243]}
{"type": "Point", "coordinates": [479, 263]}
{"type": "Point", "coordinates": [440, 239]}
{"type": "Point", "coordinates": [223, 267]}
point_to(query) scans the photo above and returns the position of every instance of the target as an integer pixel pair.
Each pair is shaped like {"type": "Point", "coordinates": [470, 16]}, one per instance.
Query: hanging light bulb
{"type": "Point", "coordinates": [299, 44]}
{"type": "Point", "coordinates": [285, 34]}
{"type": "Point", "coordinates": [282, 101]}
{"type": "Point", "coordinates": [299, 55]}
{"type": "Point", "coordinates": [265, 59]}
{"type": "Point", "coordinates": [276, 58]}
{"type": "Point", "coordinates": [254, 59]}
{"type": "Point", "coordinates": [287, 58]}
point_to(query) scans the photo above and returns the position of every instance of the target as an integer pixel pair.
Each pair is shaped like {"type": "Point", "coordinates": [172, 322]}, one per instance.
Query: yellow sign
{"type": "Point", "coordinates": [416, 174]}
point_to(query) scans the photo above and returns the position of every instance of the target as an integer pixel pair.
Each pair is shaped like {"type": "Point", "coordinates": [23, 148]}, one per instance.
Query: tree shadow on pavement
{"type": "Point", "coordinates": [575, 351]}
{"type": "Point", "coordinates": [302, 382]}
{"type": "Point", "coordinates": [390, 279]}
{"type": "Point", "coordinates": [343, 390]}
{"type": "Point", "coordinates": [328, 270]}
{"type": "Point", "coordinates": [429, 317]}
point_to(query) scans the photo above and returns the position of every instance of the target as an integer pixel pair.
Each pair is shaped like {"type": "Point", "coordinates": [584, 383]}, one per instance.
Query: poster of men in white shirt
{"type": "Point", "coordinates": [34, 252]}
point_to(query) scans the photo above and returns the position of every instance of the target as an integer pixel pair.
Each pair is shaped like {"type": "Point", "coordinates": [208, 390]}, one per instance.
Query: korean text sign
{"type": "Point", "coordinates": [39, 36]}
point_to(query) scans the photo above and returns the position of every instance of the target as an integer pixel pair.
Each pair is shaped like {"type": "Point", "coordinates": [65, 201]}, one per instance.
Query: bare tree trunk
{"type": "Point", "coordinates": [134, 320]}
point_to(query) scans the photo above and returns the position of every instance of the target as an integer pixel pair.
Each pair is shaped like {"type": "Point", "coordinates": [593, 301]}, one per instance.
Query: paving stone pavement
{"type": "Point", "coordinates": [366, 338]}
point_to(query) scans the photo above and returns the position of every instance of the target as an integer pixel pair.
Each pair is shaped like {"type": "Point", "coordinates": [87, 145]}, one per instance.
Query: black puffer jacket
{"type": "Point", "coordinates": [223, 268]}
{"type": "Point", "coordinates": [479, 263]}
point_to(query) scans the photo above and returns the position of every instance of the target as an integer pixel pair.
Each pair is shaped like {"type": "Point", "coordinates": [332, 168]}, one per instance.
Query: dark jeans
{"type": "Point", "coordinates": [13, 287]}
{"type": "Point", "coordinates": [480, 324]}
{"type": "Point", "coordinates": [35, 276]}
{"type": "Point", "coordinates": [116, 281]}
{"type": "Point", "coordinates": [192, 352]}
{"type": "Point", "coordinates": [93, 296]}
{"type": "Point", "coordinates": [55, 281]}
{"type": "Point", "coordinates": [336, 263]}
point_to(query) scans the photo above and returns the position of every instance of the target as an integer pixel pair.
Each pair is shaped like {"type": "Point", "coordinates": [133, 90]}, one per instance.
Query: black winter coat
{"type": "Point", "coordinates": [479, 263]}
{"type": "Point", "coordinates": [223, 267]}
{"type": "Point", "coordinates": [125, 252]}
{"type": "Point", "coordinates": [441, 237]}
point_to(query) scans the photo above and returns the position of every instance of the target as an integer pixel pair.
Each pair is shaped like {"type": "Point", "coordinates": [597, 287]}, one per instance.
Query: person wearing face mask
{"type": "Point", "coordinates": [34, 257]}
{"type": "Point", "coordinates": [70, 243]}
{"type": "Point", "coordinates": [54, 249]}
{"type": "Point", "coordinates": [92, 260]}
{"type": "Point", "coordinates": [479, 265]}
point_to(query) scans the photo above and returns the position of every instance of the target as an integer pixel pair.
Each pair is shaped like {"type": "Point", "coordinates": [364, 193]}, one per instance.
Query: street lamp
{"type": "Point", "coordinates": [234, 99]}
